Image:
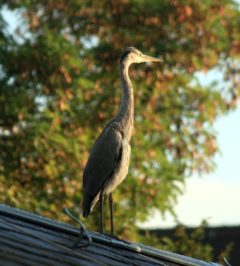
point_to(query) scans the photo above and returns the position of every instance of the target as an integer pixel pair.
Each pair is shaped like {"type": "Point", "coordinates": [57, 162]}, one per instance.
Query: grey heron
{"type": "Point", "coordinates": [108, 162]}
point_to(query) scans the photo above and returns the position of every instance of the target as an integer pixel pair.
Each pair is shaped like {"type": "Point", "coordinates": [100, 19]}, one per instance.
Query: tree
{"type": "Point", "coordinates": [191, 243]}
{"type": "Point", "coordinates": [59, 87]}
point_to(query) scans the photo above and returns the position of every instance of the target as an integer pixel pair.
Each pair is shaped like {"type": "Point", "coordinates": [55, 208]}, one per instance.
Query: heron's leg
{"type": "Point", "coordinates": [102, 212]}
{"type": "Point", "coordinates": [111, 213]}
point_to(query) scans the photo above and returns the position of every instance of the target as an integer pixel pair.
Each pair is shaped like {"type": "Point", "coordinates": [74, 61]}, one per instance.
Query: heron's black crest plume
{"type": "Point", "coordinates": [128, 51]}
{"type": "Point", "coordinates": [124, 54]}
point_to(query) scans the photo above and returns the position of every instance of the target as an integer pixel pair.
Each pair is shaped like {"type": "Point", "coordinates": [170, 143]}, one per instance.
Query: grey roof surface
{"type": "Point", "coordinates": [28, 239]}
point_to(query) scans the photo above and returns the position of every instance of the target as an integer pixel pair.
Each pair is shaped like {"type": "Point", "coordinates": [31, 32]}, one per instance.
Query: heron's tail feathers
{"type": "Point", "coordinates": [86, 212]}
{"type": "Point", "coordinates": [86, 206]}
{"type": "Point", "coordinates": [88, 203]}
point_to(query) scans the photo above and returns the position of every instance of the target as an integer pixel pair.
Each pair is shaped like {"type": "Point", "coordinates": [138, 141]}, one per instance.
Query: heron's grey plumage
{"type": "Point", "coordinates": [103, 162]}
{"type": "Point", "coordinates": [109, 158]}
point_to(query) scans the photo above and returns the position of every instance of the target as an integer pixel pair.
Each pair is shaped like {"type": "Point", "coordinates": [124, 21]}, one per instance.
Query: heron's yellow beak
{"type": "Point", "coordinates": [147, 58]}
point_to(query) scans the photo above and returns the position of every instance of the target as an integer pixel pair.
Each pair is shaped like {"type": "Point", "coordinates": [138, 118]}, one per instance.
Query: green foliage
{"type": "Point", "coordinates": [189, 243]}
{"type": "Point", "coordinates": [59, 86]}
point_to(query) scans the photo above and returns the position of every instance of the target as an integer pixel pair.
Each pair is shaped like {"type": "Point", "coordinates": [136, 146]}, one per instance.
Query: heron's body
{"type": "Point", "coordinates": [109, 158]}
{"type": "Point", "coordinates": [113, 164]}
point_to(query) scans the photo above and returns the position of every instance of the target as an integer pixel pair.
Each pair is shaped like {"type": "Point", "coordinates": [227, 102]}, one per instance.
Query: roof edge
{"type": "Point", "coordinates": [101, 238]}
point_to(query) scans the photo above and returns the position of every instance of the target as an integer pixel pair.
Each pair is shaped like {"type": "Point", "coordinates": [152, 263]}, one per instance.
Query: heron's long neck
{"type": "Point", "coordinates": [126, 111]}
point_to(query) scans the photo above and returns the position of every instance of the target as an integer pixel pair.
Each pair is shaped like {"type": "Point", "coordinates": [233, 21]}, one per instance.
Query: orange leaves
{"type": "Point", "coordinates": [62, 105]}
{"type": "Point", "coordinates": [188, 11]}
{"type": "Point", "coordinates": [152, 153]}
{"type": "Point", "coordinates": [66, 96]}
{"type": "Point", "coordinates": [235, 49]}
{"type": "Point", "coordinates": [87, 95]}
{"type": "Point", "coordinates": [158, 84]}
{"type": "Point", "coordinates": [31, 164]}
{"type": "Point", "coordinates": [198, 125]}
{"type": "Point", "coordinates": [33, 19]}
{"type": "Point", "coordinates": [152, 21]}
{"type": "Point", "coordinates": [184, 12]}
{"type": "Point", "coordinates": [21, 115]}
{"type": "Point", "coordinates": [69, 94]}
{"type": "Point", "coordinates": [211, 143]}
{"type": "Point", "coordinates": [66, 75]}
{"type": "Point", "coordinates": [34, 23]}
{"type": "Point", "coordinates": [101, 115]}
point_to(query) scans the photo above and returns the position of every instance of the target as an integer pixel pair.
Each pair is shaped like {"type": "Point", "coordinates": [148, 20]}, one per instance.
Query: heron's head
{"type": "Point", "coordinates": [132, 55]}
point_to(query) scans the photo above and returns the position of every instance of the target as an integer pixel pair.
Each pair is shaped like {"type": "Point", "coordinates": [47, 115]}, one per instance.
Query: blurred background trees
{"type": "Point", "coordinates": [59, 86]}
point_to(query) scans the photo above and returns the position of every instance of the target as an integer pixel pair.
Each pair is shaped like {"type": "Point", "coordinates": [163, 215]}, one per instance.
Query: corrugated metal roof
{"type": "Point", "coordinates": [29, 239]}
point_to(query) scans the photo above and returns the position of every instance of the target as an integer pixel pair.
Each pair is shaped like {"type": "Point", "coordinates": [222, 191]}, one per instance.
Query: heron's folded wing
{"type": "Point", "coordinates": [103, 160]}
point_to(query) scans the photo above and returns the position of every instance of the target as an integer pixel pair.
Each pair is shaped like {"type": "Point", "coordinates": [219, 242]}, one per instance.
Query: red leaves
{"type": "Point", "coordinates": [184, 12]}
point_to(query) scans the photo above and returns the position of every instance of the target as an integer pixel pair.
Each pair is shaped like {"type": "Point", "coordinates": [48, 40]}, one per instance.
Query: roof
{"type": "Point", "coordinates": [30, 239]}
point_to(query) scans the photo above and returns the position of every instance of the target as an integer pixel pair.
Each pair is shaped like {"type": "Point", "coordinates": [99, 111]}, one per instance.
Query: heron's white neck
{"type": "Point", "coordinates": [126, 111]}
